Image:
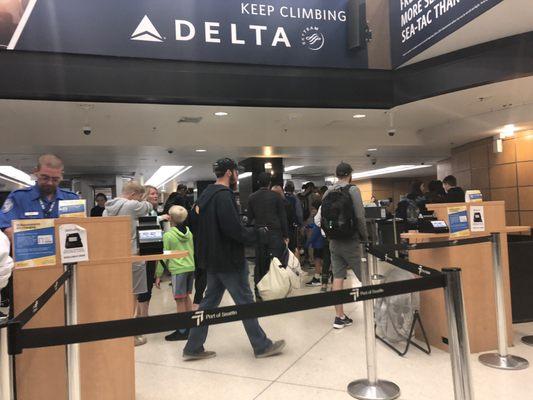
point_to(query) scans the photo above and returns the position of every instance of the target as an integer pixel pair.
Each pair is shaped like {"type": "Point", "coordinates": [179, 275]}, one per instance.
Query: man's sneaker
{"type": "Point", "coordinates": [342, 322]}
{"type": "Point", "coordinates": [140, 340]}
{"type": "Point", "coordinates": [202, 355]}
{"type": "Point", "coordinates": [274, 349]}
{"type": "Point", "coordinates": [313, 282]}
{"type": "Point", "coordinates": [177, 335]}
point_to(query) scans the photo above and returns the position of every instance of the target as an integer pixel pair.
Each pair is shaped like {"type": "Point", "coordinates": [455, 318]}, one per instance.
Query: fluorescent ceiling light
{"type": "Point", "coordinates": [15, 175]}
{"type": "Point", "coordinates": [221, 113]}
{"type": "Point", "coordinates": [507, 131]}
{"type": "Point", "coordinates": [293, 167]}
{"type": "Point", "coordinates": [357, 116]}
{"type": "Point", "coordinates": [387, 170]}
{"type": "Point", "coordinates": [165, 174]}
{"type": "Point", "coordinates": [201, 150]}
{"type": "Point", "coordinates": [245, 175]}
{"type": "Point", "coordinates": [373, 149]}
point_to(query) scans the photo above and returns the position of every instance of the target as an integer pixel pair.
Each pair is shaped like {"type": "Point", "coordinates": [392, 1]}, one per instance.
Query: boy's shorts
{"type": "Point", "coordinates": [182, 284]}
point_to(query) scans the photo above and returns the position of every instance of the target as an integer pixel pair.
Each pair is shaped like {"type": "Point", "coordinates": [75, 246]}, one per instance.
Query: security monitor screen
{"type": "Point", "coordinates": [152, 235]}
{"type": "Point", "coordinates": [438, 224]}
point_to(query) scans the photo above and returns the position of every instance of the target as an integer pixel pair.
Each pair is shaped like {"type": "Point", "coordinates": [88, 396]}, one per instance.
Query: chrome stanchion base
{"type": "Point", "coordinates": [509, 362]}
{"type": "Point", "coordinates": [527, 340]}
{"type": "Point", "coordinates": [362, 389]}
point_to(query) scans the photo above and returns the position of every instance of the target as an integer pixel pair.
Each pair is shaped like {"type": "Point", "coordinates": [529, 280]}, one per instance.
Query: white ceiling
{"type": "Point", "coordinates": [135, 138]}
{"type": "Point", "coordinates": [508, 18]}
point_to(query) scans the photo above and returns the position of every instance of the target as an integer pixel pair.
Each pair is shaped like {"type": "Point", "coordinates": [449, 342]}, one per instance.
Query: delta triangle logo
{"type": "Point", "coordinates": [146, 32]}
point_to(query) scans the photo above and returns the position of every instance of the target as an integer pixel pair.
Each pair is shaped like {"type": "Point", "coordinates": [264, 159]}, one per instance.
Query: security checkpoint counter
{"type": "Point", "coordinates": [104, 293]}
{"type": "Point", "coordinates": [475, 260]}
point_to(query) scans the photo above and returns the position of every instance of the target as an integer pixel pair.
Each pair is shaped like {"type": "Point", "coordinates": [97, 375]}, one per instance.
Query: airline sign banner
{"type": "Point", "coordinates": [418, 24]}
{"type": "Point", "coordinates": [311, 33]}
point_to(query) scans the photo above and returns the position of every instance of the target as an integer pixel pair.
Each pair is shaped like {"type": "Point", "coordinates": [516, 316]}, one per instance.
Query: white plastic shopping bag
{"type": "Point", "coordinates": [276, 283]}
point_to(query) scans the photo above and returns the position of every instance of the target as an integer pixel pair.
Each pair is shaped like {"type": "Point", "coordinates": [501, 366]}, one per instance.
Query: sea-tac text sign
{"type": "Point", "coordinates": [418, 24]}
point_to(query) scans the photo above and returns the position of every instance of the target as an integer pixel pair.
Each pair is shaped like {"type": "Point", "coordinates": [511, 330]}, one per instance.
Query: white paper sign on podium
{"type": "Point", "coordinates": [73, 243]}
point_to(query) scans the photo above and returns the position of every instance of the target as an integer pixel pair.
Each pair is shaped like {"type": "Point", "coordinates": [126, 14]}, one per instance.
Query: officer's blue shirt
{"type": "Point", "coordinates": [28, 204]}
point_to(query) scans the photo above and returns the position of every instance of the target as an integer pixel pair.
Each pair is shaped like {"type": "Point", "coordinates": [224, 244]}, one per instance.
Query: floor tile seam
{"type": "Point", "coordinates": [292, 364]}
{"type": "Point", "coordinates": [310, 386]}
{"type": "Point", "coordinates": [206, 371]}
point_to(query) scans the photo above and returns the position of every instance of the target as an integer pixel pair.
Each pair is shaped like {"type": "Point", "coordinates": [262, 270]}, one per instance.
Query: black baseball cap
{"type": "Point", "coordinates": [222, 165]}
{"type": "Point", "coordinates": [343, 169]}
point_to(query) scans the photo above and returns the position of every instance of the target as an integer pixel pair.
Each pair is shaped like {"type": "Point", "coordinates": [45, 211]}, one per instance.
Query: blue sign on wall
{"type": "Point", "coordinates": [418, 24]}
{"type": "Point", "coordinates": [310, 33]}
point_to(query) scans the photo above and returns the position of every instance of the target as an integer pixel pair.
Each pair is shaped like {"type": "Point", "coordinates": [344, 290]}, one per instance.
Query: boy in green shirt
{"type": "Point", "coordinates": [179, 237]}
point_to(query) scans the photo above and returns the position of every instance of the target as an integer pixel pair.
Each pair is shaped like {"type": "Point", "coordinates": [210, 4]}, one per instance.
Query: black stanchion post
{"type": "Point", "coordinates": [71, 311]}
{"type": "Point", "coordinates": [371, 388]}
{"type": "Point", "coordinates": [6, 367]}
{"type": "Point", "coordinates": [502, 359]}
{"type": "Point", "coordinates": [458, 335]}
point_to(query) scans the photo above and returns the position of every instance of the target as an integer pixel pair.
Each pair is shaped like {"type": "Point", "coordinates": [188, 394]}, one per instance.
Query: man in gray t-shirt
{"type": "Point", "coordinates": [346, 253]}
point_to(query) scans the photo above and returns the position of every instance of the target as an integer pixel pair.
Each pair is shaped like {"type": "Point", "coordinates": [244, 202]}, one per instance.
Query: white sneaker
{"type": "Point", "coordinates": [140, 340]}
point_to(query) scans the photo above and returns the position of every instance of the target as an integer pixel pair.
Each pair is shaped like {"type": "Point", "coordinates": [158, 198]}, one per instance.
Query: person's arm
{"type": "Point", "coordinates": [229, 221]}
{"type": "Point", "coordinates": [142, 208]}
{"type": "Point", "coordinates": [318, 217]}
{"type": "Point", "coordinates": [250, 212]}
{"type": "Point", "coordinates": [6, 263]}
{"type": "Point", "coordinates": [282, 213]}
{"type": "Point", "coordinates": [359, 210]}
{"type": "Point", "coordinates": [10, 210]}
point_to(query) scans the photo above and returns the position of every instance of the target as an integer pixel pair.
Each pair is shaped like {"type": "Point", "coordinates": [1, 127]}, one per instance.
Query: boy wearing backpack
{"type": "Point", "coordinates": [343, 221]}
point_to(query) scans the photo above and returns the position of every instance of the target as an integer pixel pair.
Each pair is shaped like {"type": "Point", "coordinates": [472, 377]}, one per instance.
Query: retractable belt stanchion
{"type": "Point", "coordinates": [502, 359]}
{"type": "Point", "coordinates": [371, 388]}
{"type": "Point", "coordinates": [458, 335]}
{"type": "Point", "coordinates": [6, 368]}
{"type": "Point", "coordinates": [73, 355]}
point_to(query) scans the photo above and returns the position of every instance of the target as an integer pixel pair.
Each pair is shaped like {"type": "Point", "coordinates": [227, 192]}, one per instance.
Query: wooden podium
{"type": "Point", "coordinates": [475, 261]}
{"type": "Point", "coordinates": [104, 292]}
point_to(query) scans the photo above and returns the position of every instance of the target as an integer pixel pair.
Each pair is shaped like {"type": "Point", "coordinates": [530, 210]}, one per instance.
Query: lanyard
{"type": "Point", "coordinates": [47, 211]}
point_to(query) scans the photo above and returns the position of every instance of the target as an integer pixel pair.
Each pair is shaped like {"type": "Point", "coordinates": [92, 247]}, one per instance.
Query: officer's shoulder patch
{"type": "Point", "coordinates": [8, 206]}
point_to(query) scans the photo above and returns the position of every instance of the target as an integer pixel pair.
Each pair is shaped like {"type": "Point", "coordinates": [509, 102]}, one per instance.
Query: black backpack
{"type": "Point", "coordinates": [338, 217]}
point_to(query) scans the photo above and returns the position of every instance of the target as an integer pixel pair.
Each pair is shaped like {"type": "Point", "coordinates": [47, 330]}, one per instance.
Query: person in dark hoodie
{"type": "Point", "coordinates": [221, 238]}
{"type": "Point", "coordinates": [454, 193]}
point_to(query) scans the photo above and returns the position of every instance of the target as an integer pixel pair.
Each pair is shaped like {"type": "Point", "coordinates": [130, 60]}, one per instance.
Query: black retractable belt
{"type": "Point", "coordinates": [56, 336]}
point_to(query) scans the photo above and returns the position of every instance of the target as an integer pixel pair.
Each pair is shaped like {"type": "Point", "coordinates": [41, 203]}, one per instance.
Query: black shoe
{"type": "Point", "coordinates": [177, 335]}
{"type": "Point", "coordinates": [203, 355]}
{"type": "Point", "coordinates": [4, 303]}
{"type": "Point", "coordinates": [313, 282]}
{"type": "Point", "coordinates": [274, 349]}
{"type": "Point", "coordinates": [340, 323]}
{"type": "Point", "coordinates": [2, 316]}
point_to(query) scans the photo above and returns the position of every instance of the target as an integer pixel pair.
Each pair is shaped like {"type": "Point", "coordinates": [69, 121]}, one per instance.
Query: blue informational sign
{"type": "Point", "coordinates": [34, 242]}
{"type": "Point", "coordinates": [458, 221]}
{"type": "Point", "coordinates": [418, 24]}
{"type": "Point", "coordinates": [309, 33]}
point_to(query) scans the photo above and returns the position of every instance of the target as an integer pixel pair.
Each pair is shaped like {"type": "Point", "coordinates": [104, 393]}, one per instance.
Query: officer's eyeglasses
{"type": "Point", "coordinates": [46, 178]}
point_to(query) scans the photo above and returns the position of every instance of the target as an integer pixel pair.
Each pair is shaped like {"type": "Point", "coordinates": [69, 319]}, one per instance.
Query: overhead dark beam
{"type": "Point", "coordinates": [496, 61]}
{"type": "Point", "coordinates": [45, 76]}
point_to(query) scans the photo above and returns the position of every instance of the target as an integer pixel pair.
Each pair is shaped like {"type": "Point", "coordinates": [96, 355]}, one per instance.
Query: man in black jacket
{"type": "Point", "coordinates": [267, 209]}
{"type": "Point", "coordinates": [221, 238]}
{"type": "Point", "coordinates": [178, 198]}
{"type": "Point", "coordinates": [454, 194]}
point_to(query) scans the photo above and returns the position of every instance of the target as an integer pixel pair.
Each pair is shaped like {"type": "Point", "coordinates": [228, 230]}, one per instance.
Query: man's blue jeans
{"type": "Point", "coordinates": [238, 287]}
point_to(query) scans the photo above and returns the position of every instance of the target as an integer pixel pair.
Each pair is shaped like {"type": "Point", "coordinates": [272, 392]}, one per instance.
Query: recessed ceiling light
{"type": "Point", "coordinates": [373, 149]}
{"type": "Point", "coordinates": [507, 131]}
{"type": "Point", "coordinates": [221, 113]}
{"type": "Point", "coordinates": [201, 150]}
{"type": "Point", "coordinates": [359, 116]}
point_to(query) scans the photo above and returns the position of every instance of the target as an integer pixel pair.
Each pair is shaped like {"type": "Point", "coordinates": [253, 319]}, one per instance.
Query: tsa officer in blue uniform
{"type": "Point", "coordinates": [39, 201]}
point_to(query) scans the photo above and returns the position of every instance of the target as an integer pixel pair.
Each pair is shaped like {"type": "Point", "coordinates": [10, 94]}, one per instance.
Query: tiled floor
{"type": "Point", "coordinates": [318, 363]}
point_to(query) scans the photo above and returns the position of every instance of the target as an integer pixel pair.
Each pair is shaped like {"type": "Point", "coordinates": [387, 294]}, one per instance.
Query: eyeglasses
{"type": "Point", "coordinates": [46, 178]}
